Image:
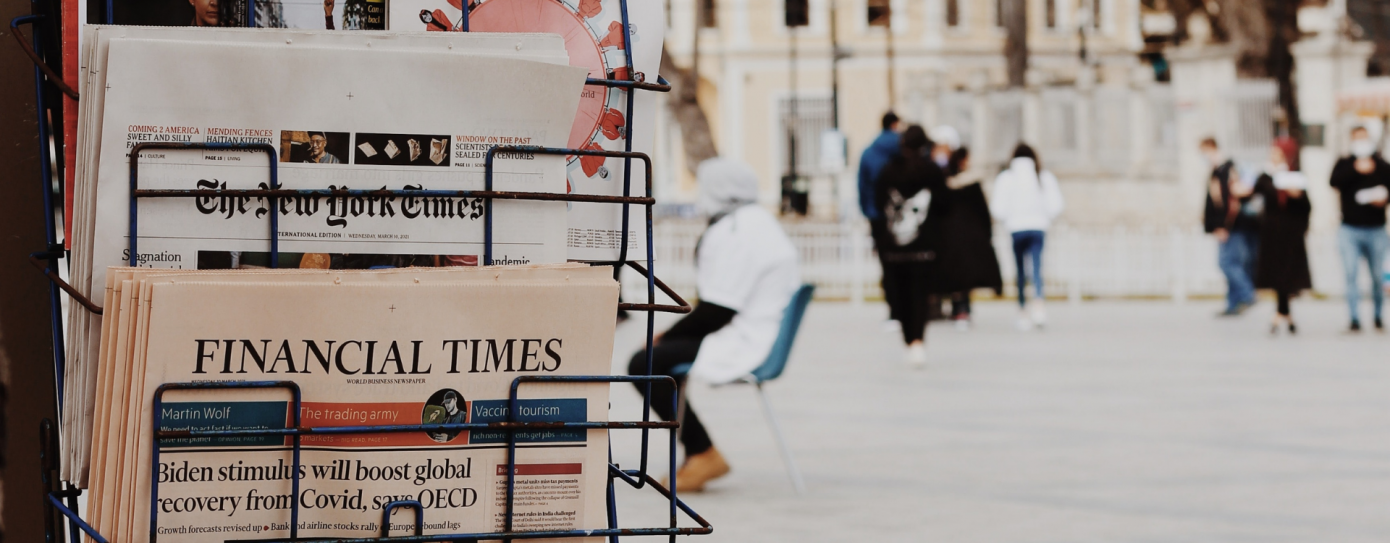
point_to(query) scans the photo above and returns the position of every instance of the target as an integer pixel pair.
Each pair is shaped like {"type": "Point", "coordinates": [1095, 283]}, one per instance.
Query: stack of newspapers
{"type": "Point", "coordinates": [406, 346]}
{"type": "Point", "coordinates": [303, 109]}
{"type": "Point", "coordinates": [318, 99]}
{"type": "Point", "coordinates": [611, 118]}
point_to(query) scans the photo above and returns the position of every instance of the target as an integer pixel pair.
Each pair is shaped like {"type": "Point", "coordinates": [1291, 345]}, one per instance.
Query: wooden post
{"type": "Point", "coordinates": [26, 355]}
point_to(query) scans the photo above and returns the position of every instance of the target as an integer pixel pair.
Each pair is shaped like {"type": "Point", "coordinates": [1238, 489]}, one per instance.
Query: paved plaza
{"type": "Point", "coordinates": [1122, 422]}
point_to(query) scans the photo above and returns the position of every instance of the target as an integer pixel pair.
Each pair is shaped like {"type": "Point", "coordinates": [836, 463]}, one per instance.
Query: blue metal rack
{"type": "Point", "coordinates": [63, 500]}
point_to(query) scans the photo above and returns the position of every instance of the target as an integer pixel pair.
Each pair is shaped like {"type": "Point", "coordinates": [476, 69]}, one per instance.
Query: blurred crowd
{"type": "Point", "coordinates": [932, 227]}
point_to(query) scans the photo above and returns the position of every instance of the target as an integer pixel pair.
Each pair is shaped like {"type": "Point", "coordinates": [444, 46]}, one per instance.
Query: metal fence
{"type": "Point", "coordinates": [957, 109]}
{"type": "Point", "coordinates": [1249, 118]}
{"type": "Point", "coordinates": [1005, 124]}
{"type": "Point", "coordinates": [811, 120]}
{"type": "Point", "coordinates": [1079, 263]}
{"type": "Point", "coordinates": [1111, 120]}
{"type": "Point", "coordinates": [1162, 111]}
{"type": "Point", "coordinates": [1107, 130]}
{"type": "Point", "coordinates": [1059, 139]}
{"type": "Point", "coordinates": [1078, 132]}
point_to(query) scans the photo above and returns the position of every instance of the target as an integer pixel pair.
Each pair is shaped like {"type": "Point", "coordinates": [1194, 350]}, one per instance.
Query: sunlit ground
{"type": "Point", "coordinates": [1123, 421]}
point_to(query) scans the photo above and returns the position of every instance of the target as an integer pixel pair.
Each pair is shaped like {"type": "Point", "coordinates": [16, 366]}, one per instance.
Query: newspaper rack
{"type": "Point", "coordinates": [61, 498]}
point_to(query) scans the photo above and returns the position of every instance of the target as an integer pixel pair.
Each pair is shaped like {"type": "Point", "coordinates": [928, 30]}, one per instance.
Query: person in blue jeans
{"type": "Point", "coordinates": [1232, 216]}
{"type": "Point", "coordinates": [1363, 183]}
{"type": "Point", "coordinates": [1028, 248]}
{"type": "Point", "coordinates": [1237, 254]}
{"type": "Point", "coordinates": [1027, 198]}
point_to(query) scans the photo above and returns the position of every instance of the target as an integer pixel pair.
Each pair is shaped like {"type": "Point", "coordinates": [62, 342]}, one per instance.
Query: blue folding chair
{"type": "Point", "coordinates": [770, 369]}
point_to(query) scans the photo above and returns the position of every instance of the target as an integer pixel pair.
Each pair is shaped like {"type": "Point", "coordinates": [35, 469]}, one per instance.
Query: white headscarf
{"type": "Point", "coordinates": [946, 135]}
{"type": "Point", "coordinates": [726, 184]}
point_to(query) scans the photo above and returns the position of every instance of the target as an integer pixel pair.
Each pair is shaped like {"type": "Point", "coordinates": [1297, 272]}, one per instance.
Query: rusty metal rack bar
{"type": "Point", "coordinates": [62, 498]}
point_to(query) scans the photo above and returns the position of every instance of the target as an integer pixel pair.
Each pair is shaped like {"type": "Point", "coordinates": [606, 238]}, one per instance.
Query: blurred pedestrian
{"type": "Point", "coordinates": [906, 194]}
{"type": "Point", "coordinates": [1283, 263]}
{"type": "Point", "coordinates": [1363, 181]}
{"type": "Point", "coordinates": [1234, 221]}
{"type": "Point", "coordinates": [877, 156]}
{"type": "Point", "coordinates": [965, 258]}
{"type": "Point", "coordinates": [1027, 199]}
{"type": "Point", "coordinates": [945, 141]}
{"type": "Point", "coordinates": [745, 275]}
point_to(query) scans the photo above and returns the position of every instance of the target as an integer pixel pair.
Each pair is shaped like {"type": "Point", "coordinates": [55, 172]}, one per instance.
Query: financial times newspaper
{"type": "Point", "coordinates": [415, 353]}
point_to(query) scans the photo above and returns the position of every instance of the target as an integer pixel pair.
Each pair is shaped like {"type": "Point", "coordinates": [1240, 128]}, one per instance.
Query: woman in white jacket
{"type": "Point", "coordinates": [1026, 199]}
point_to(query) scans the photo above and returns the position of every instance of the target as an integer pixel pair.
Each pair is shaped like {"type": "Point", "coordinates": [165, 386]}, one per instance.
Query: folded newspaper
{"type": "Point", "coordinates": [321, 100]}
{"type": "Point", "coordinates": [607, 119]}
{"type": "Point", "coordinates": [365, 348]}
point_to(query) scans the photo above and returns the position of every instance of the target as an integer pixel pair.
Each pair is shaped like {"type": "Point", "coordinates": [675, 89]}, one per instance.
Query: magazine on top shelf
{"type": "Point", "coordinates": [313, 14]}
{"type": "Point", "coordinates": [592, 30]}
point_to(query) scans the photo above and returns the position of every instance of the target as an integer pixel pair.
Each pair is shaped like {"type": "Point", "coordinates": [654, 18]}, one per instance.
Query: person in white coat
{"type": "Point", "coordinates": [745, 276]}
{"type": "Point", "coordinates": [1026, 200]}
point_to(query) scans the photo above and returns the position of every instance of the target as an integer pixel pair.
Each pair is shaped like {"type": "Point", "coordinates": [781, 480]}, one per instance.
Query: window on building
{"type": "Point", "coordinates": [797, 12]}
{"type": "Point", "coordinates": [1050, 13]}
{"type": "Point", "coordinates": [999, 13]}
{"type": "Point", "coordinates": [956, 108]}
{"type": "Point", "coordinates": [1057, 137]}
{"type": "Point", "coordinates": [709, 16]}
{"type": "Point", "coordinates": [953, 13]}
{"type": "Point", "coordinates": [1373, 18]}
{"type": "Point", "coordinates": [1005, 121]}
{"type": "Point", "coordinates": [1096, 12]}
{"type": "Point", "coordinates": [811, 119]}
{"type": "Point", "coordinates": [803, 120]}
{"type": "Point", "coordinates": [880, 13]}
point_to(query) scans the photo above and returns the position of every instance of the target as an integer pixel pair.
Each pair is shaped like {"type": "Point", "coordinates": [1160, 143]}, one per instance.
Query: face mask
{"type": "Point", "coordinates": [941, 161]}
{"type": "Point", "coordinates": [1362, 148]}
{"type": "Point", "coordinates": [1213, 159]}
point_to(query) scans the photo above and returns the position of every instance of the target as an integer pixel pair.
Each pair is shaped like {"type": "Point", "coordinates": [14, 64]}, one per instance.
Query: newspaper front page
{"type": "Point", "coordinates": [119, 413]}
{"type": "Point", "coordinates": [370, 354]}
{"type": "Point", "coordinates": [335, 117]}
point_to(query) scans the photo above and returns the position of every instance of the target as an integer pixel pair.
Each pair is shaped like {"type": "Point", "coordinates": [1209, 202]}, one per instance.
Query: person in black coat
{"type": "Point", "coordinates": [1283, 263]}
{"type": "Point", "coordinates": [963, 234]}
{"type": "Point", "coordinates": [1235, 224]}
{"type": "Point", "coordinates": [907, 191]}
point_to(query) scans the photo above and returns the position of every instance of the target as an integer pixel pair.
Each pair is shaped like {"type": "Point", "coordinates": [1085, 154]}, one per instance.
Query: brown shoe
{"type": "Point", "coordinates": [700, 469]}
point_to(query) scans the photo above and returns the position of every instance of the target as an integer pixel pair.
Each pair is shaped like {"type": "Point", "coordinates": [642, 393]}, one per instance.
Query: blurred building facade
{"type": "Point", "coordinates": [1091, 106]}
{"type": "Point", "coordinates": [1111, 106]}
{"type": "Point", "coordinates": [1119, 125]}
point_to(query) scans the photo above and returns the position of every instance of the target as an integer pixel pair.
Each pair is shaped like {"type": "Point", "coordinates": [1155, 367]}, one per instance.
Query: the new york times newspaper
{"type": "Point", "coordinates": [364, 119]}
{"type": "Point", "coordinates": [413, 353]}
